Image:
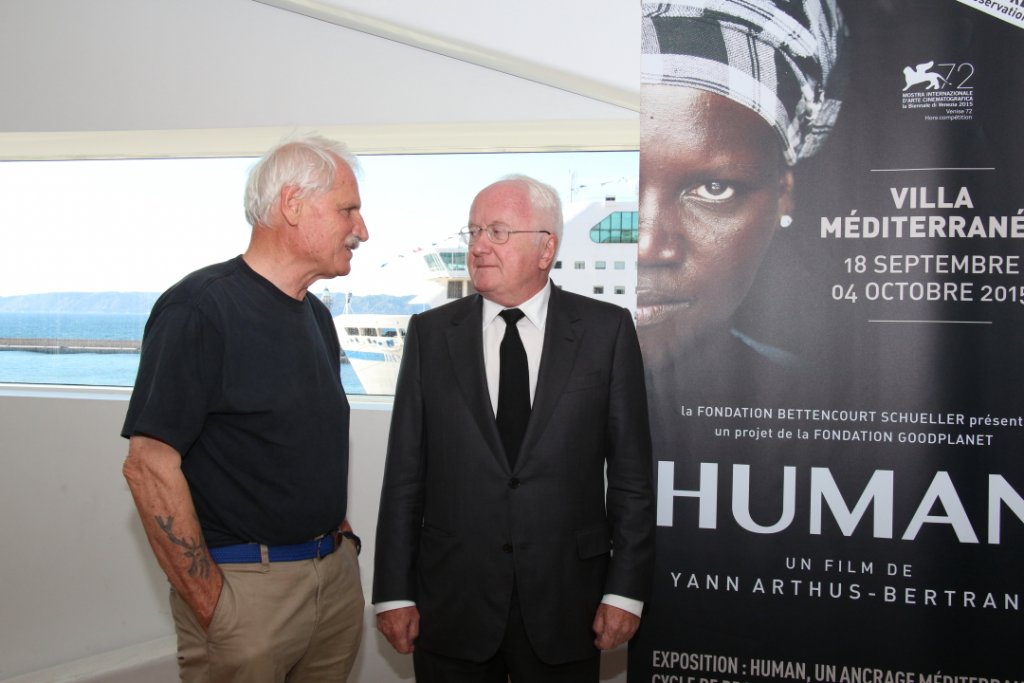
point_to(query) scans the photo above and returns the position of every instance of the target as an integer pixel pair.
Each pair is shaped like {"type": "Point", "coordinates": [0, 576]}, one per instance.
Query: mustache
{"type": "Point", "coordinates": [352, 242]}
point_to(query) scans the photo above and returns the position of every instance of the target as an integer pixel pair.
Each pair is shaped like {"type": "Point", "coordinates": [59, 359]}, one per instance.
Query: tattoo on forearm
{"type": "Point", "coordinates": [195, 550]}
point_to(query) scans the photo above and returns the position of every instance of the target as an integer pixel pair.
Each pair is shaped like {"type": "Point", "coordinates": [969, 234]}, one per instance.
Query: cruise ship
{"type": "Point", "coordinates": [597, 258]}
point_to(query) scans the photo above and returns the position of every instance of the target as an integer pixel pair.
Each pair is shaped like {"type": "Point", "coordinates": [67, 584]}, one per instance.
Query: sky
{"type": "Point", "coordinates": [141, 225]}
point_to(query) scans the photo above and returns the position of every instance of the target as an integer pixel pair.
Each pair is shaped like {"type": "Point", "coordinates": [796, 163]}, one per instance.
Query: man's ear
{"type": "Point", "coordinates": [547, 254]}
{"type": "Point", "coordinates": [290, 203]}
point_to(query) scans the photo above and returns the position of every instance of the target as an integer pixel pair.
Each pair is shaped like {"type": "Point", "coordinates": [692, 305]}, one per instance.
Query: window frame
{"type": "Point", "coordinates": [432, 138]}
{"type": "Point", "coordinates": [435, 138]}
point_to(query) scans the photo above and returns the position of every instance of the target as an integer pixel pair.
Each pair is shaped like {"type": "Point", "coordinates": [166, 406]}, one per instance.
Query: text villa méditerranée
{"type": "Point", "coordinates": [925, 225]}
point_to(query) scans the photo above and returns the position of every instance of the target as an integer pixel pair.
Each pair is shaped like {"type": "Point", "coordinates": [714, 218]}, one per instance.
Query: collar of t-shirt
{"type": "Point", "coordinates": [531, 331]}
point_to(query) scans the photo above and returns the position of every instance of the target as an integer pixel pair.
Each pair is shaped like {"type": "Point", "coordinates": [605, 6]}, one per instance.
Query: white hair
{"type": "Point", "coordinates": [309, 163]}
{"type": "Point", "coordinates": [544, 199]}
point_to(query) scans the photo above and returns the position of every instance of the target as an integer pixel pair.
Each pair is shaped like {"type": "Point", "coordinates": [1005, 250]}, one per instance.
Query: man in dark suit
{"type": "Point", "coordinates": [500, 553]}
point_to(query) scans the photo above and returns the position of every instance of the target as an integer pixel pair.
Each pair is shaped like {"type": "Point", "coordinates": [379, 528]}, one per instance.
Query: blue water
{"type": "Point", "coordinates": [88, 369]}
{"type": "Point", "coordinates": [122, 326]}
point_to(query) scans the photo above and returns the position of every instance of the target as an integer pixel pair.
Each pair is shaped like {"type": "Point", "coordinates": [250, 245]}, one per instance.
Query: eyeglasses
{"type": "Point", "coordinates": [498, 233]}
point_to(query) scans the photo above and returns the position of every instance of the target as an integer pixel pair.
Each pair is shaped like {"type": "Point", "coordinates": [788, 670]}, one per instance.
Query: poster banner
{"type": "Point", "coordinates": [831, 308]}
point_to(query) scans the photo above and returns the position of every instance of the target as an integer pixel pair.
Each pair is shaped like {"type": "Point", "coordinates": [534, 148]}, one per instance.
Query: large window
{"type": "Point", "coordinates": [620, 227]}
{"type": "Point", "coordinates": [89, 245]}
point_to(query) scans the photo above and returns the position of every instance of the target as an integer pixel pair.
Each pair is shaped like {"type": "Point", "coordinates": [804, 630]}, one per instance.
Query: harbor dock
{"type": "Point", "coordinates": [71, 345]}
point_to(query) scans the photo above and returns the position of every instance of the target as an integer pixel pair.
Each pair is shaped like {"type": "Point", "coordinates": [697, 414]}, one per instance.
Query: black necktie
{"type": "Point", "coordinates": [513, 387]}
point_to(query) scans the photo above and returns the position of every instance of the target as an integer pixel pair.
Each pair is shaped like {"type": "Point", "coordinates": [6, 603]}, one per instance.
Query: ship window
{"type": "Point", "coordinates": [558, 265]}
{"type": "Point", "coordinates": [598, 289]}
{"type": "Point", "coordinates": [434, 263]}
{"type": "Point", "coordinates": [414, 205]}
{"type": "Point", "coordinates": [455, 289]}
{"type": "Point", "coordinates": [620, 265]}
{"type": "Point", "coordinates": [619, 289]}
{"type": "Point", "coordinates": [619, 227]}
{"type": "Point", "coordinates": [454, 260]}
{"type": "Point", "coordinates": [599, 265]}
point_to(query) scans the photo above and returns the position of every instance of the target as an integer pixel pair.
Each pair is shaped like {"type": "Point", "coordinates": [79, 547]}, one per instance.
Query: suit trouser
{"type": "Point", "coordinates": [516, 661]}
{"type": "Point", "coordinates": [276, 622]}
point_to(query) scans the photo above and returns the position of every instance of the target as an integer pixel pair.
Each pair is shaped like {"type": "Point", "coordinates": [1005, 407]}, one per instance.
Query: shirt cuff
{"type": "Point", "coordinates": [634, 607]}
{"type": "Point", "coordinates": [389, 605]}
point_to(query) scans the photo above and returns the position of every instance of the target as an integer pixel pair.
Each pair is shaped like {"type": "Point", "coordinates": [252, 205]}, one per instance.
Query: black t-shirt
{"type": "Point", "coordinates": [244, 381]}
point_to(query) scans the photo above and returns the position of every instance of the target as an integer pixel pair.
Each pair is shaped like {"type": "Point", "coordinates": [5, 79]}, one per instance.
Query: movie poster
{"type": "Point", "coordinates": [831, 308]}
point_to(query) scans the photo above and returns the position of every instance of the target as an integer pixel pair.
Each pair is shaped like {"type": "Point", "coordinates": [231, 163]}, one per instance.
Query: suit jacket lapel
{"type": "Point", "coordinates": [466, 352]}
{"type": "Point", "coordinates": [562, 336]}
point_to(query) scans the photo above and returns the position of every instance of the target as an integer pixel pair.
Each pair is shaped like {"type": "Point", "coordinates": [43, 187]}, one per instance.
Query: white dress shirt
{"type": "Point", "coordinates": [531, 331]}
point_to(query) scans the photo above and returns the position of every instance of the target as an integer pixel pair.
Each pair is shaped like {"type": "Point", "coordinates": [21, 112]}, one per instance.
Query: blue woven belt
{"type": "Point", "coordinates": [250, 552]}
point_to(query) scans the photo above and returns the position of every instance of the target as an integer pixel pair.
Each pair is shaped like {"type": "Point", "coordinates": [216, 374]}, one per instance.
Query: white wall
{"type": "Point", "coordinates": [78, 578]}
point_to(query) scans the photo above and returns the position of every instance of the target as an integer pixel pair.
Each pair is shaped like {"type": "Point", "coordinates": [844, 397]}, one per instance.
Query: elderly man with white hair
{"type": "Point", "coordinates": [238, 428]}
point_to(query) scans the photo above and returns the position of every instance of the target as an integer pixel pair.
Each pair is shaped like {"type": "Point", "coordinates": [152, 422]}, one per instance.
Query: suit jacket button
{"type": "Point", "coordinates": [513, 483]}
{"type": "Point", "coordinates": [507, 548]}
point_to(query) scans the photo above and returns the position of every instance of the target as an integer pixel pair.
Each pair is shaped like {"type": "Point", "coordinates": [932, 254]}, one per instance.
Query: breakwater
{"type": "Point", "coordinates": [41, 345]}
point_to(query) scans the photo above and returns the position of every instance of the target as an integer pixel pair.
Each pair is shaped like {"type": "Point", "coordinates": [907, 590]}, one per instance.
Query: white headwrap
{"type": "Point", "coordinates": [776, 57]}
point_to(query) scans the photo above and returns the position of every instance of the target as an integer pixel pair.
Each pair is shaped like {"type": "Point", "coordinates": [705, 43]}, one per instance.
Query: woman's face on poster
{"type": "Point", "coordinates": [713, 186]}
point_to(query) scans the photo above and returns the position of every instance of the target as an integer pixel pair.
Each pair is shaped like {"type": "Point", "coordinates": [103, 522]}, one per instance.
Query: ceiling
{"type": "Point", "coordinates": [588, 47]}
{"type": "Point", "coordinates": [112, 78]}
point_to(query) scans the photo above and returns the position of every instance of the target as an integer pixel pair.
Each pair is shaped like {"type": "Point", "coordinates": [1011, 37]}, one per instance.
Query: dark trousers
{"type": "Point", "coordinates": [515, 661]}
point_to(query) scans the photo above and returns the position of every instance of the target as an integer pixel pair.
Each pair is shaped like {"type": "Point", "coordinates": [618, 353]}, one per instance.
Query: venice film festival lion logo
{"type": "Point", "coordinates": [922, 74]}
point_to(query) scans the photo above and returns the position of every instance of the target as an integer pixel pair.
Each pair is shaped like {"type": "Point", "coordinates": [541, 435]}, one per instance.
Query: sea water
{"type": "Point", "coordinates": [87, 369]}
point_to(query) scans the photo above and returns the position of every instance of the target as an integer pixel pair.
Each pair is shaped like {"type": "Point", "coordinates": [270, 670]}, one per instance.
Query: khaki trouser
{"type": "Point", "coordinates": [276, 622]}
